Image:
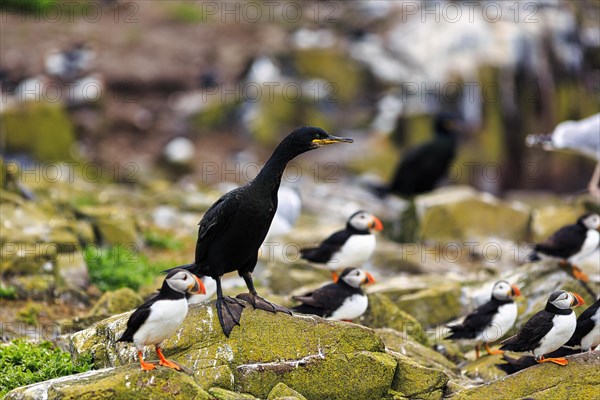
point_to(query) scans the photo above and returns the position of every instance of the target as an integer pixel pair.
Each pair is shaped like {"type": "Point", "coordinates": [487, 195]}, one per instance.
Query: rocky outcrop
{"type": "Point", "coordinates": [269, 356]}
{"type": "Point", "coordinates": [578, 380]}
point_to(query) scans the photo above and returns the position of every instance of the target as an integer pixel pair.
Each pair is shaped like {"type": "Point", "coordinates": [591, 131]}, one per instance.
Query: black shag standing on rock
{"type": "Point", "coordinates": [159, 317]}
{"type": "Point", "coordinates": [548, 330]}
{"type": "Point", "coordinates": [571, 244]}
{"type": "Point", "coordinates": [422, 167]}
{"type": "Point", "coordinates": [343, 300]}
{"type": "Point", "coordinates": [587, 333]}
{"type": "Point", "coordinates": [349, 247]}
{"type": "Point", "coordinates": [490, 321]}
{"type": "Point", "coordinates": [233, 229]}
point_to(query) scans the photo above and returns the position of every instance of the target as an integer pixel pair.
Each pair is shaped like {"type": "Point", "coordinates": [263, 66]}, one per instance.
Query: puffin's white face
{"type": "Point", "coordinates": [592, 221]}
{"type": "Point", "coordinates": [565, 300]}
{"type": "Point", "coordinates": [356, 277]}
{"type": "Point", "coordinates": [186, 282]}
{"type": "Point", "coordinates": [363, 221]}
{"type": "Point", "coordinates": [503, 291]}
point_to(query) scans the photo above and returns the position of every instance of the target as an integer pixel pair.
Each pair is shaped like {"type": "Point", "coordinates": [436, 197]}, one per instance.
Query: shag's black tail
{"type": "Point", "coordinates": [532, 257]}
{"type": "Point", "coordinates": [188, 267]}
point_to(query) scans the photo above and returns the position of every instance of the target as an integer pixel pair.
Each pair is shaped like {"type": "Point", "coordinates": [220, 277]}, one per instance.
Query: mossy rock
{"type": "Point", "coordinates": [41, 129]}
{"type": "Point", "coordinates": [485, 367]}
{"type": "Point", "coordinates": [383, 313]}
{"type": "Point", "coordinates": [306, 353]}
{"type": "Point", "coordinates": [71, 271]}
{"type": "Point", "coordinates": [408, 346]}
{"type": "Point", "coordinates": [224, 394]}
{"type": "Point", "coordinates": [435, 305]}
{"type": "Point", "coordinates": [580, 379]}
{"type": "Point", "coordinates": [465, 214]}
{"type": "Point", "coordinates": [281, 391]}
{"type": "Point", "coordinates": [128, 382]}
{"type": "Point", "coordinates": [417, 382]}
{"type": "Point", "coordinates": [35, 287]}
{"type": "Point", "coordinates": [114, 225]}
{"type": "Point", "coordinates": [116, 302]}
{"type": "Point", "coordinates": [283, 279]}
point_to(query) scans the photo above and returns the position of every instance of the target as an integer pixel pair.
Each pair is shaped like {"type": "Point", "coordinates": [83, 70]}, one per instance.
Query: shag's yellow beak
{"type": "Point", "coordinates": [331, 140]}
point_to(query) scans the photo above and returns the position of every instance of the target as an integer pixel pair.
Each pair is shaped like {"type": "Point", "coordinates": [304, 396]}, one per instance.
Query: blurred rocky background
{"type": "Point", "coordinates": [123, 121]}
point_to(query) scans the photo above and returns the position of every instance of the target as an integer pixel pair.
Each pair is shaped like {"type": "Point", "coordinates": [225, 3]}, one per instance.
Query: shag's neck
{"type": "Point", "coordinates": [269, 177]}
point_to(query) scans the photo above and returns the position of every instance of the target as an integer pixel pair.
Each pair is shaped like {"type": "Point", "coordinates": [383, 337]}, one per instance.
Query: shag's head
{"type": "Point", "coordinates": [590, 221]}
{"type": "Point", "coordinates": [362, 221]}
{"type": "Point", "coordinates": [503, 291]}
{"type": "Point", "coordinates": [307, 138]}
{"type": "Point", "coordinates": [564, 300]}
{"type": "Point", "coordinates": [183, 281]}
{"type": "Point", "coordinates": [448, 124]}
{"type": "Point", "coordinates": [356, 277]}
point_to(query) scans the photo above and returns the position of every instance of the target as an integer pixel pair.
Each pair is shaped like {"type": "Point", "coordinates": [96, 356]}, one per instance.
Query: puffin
{"type": "Point", "coordinates": [422, 167]}
{"type": "Point", "coordinates": [571, 244]}
{"type": "Point", "coordinates": [549, 329]}
{"type": "Point", "coordinates": [158, 318]}
{"type": "Point", "coordinates": [210, 287]}
{"type": "Point", "coordinates": [490, 321]}
{"type": "Point", "coordinates": [235, 226]}
{"type": "Point", "coordinates": [343, 300]}
{"type": "Point", "coordinates": [351, 246]}
{"type": "Point", "coordinates": [587, 332]}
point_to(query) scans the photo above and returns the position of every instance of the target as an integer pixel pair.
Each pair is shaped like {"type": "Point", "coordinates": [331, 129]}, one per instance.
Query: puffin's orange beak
{"type": "Point", "coordinates": [578, 300]}
{"type": "Point", "coordinates": [369, 278]}
{"type": "Point", "coordinates": [200, 285]}
{"type": "Point", "coordinates": [515, 291]}
{"type": "Point", "coordinates": [335, 277]}
{"type": "Point", "coordinates": [376, 224]}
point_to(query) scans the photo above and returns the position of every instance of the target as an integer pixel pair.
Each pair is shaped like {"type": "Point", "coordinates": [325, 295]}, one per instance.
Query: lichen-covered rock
{"type": "Point", "coordinates": [485, 368]}
{"type": "Point", "coordinates": [383, 313]}
{"type": "Point", "coordinates": [128, 382]}
{"type": "Point", "coordinates": [417, 382]}
{"type": "Point", "coordinates": [114, 225]}
{"type": "Point", "coordinates": [281, 391]}
{"type": "Point", "coordinates": [465, 214]}
{"type": "Point", "coordinates": [306, 353]}
{"type": "Point", "coordinates": [116, 302]}
{"type": "Point", "coordinates": [408, 346]}
{"type": "Point", "coordinates": [580, 379]}
{"type": "Point", "coordinates": [224, 394]}
{"type": "Point", "coordinates": [434, 305]}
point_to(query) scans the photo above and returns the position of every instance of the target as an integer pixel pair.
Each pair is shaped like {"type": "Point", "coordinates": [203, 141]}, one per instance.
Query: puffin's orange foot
{"type": "Point", "coordinates": [560, 360]}
{"type": "Point", "coordinates": [146, 366]}
{"type": "Point", "coordinates": [492, 352]}
{"type": "Point", "coordinates": [579, 274]}
{"type": "Point", "coordinates": [164, 362]}
{"type": "Point", "coordinates": [170, 364]}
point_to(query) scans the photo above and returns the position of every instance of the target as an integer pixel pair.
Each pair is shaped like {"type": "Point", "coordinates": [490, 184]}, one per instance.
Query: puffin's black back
{"type": "Point", "coordinates": [478, 320]}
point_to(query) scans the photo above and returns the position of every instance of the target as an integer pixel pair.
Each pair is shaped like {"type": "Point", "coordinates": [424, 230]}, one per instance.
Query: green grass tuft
{"type": "Point", "coordinates": [7, 292]}
{"type": "Point", "coordinates": [23, 363]}
{"type": "Point", "coordinates": [116, 267]}
{"type": "Point", "coordinates": [159, 240]}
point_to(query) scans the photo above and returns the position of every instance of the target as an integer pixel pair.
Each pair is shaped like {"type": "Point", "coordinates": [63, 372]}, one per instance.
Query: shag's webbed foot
{"type": "Point", "coordinates": [229, 311]}
{"type": "Point", "coordinates": [262, 304]}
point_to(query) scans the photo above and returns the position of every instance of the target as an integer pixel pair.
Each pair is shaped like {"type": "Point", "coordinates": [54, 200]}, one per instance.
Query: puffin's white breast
{"type": "Point", "coordinates": [353, 307]}
{"type": "Point", "coordinates": [354, 253]}
{"type": "Point", "coordinates": [562, 330]}
{"type": "Point", "coordinates": [165, 318]}
{"type": "Point", "coordinates": [591, 243]}
{"type": "Point", "coordinates": [592, 339]}
{"type": "Point", "coordinates": [501, 323]}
